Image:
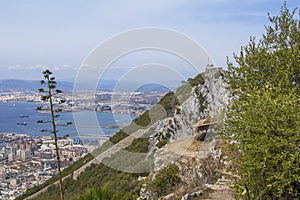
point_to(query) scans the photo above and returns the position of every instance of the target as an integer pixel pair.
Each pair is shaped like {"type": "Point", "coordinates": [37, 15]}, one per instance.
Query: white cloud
{"type": "Point", "coordinates": [57, 68]}
{"type": "Point", "coordinates": [35, 67]}
{"type": "Point", "coordinates": [12, 67]}
{"type": "Point", "coordinates": [88, 66]}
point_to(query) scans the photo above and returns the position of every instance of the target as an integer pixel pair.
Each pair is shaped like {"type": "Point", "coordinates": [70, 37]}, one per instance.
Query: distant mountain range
{"type": "Point", "coordinates": [29, 85]}
{"type": "Point", "coordinates": [107, 85]}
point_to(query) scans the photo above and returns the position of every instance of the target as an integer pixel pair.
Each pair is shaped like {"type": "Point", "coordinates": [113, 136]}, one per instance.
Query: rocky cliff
{"type": "Point", "coordinates": [175, 142]}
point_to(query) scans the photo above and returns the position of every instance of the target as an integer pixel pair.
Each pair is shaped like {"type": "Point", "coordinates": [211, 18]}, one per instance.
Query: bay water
{"type": "Point", "coordinates": [21, 117]}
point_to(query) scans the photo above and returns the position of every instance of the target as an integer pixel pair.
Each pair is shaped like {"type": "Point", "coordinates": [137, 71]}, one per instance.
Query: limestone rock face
{"type": "Point", "coordinates": [205, 100]}
{"type": "Point", "coordinates": [174, 138]}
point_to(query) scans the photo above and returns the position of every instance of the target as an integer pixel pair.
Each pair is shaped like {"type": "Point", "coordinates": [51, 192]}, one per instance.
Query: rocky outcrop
{"type": "Point", "coordinates": [202, 174]}
{"type": "Point", "coordinates": [206, 99]}
{"type": "Point", "coordinates": [200, 163]}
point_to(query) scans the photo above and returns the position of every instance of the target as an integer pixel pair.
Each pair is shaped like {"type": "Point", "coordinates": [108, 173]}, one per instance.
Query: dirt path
{"type": "Point", "coordinates": [180, 147]}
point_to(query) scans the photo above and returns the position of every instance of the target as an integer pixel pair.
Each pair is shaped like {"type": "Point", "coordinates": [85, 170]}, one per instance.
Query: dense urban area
{"type": "Point", "coordinates": [28, 161]}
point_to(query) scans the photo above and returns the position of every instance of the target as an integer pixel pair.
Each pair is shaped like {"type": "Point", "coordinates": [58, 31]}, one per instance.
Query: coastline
{"type": "Point", "coordinates": [110, 123]}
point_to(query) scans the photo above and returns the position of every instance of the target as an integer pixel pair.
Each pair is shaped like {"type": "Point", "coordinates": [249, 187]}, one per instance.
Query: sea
{"type": "Point", "coordinates": [21, 118]}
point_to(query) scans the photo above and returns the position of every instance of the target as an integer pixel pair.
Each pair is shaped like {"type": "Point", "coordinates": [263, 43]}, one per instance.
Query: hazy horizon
{"type": "Point", "coordinates": [59, 35]}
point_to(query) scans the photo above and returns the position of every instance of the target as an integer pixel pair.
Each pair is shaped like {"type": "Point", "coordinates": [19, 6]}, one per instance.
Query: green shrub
{"type": "Point", "coordinates": [162, 143]}
{"type": "Point", "coordinates": [165, 180]}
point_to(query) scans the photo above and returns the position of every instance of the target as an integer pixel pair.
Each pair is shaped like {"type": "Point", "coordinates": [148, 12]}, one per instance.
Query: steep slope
{"type": "Point", "coordinates": [199, 168]}
{"type": "Point", "coordinates": [201, 97]}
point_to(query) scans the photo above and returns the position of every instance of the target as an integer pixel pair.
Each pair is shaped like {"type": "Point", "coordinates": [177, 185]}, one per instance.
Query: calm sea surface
{"type": "Point", "coordinates": [12, 122]}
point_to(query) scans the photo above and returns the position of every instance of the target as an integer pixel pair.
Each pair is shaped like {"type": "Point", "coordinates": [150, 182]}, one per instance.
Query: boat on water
{"type": "Point", "coordinates": [22, 123]}
{"type": "Point", "coordinates": [22, 116]}
{"type": "Point", "coordinates": [13, 105]}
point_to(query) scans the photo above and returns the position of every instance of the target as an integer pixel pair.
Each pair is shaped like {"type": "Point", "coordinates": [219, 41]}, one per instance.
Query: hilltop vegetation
{"type": "Point", "coordinates": [264, 117]}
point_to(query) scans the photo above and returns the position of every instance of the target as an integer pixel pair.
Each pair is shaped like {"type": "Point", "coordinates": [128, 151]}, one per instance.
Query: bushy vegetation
{"type": "Point", "coordinates": [162, 143]}
{"type": "Point", "coordinates": [166, 102]}
{"type": "Point", "coordinates": [145, 120]}
{"type": "Point", "coordinates": [201, 99]}
{"type": "Point", "coordinates": [96, 194]}
{"type": "Point", "coordinates": [197, 80]}
{"type": "Point", "coordinates": [165, 180]}
{"type": "Point", "coordinates": [139, 145]}
{"type": "Point", "coordinates": [99, 194]}
{"type": "Point", "coordinates": [264, 118]}
{"type": "Point", "coordinates": [183, 92]}
{"type": "Point", "coordinates": [97, 176]}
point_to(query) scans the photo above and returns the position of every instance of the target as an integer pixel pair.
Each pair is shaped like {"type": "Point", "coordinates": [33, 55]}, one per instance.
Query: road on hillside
{"type": "Point", "coordinates": [107, 153]}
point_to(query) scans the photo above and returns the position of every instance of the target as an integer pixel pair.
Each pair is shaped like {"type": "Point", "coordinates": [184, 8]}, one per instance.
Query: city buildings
{"type": "Point", "coordinates": [28, 161]}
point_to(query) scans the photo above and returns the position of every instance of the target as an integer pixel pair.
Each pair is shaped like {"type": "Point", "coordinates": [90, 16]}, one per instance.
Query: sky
{"type": "Point", "coordinates": [61, 34]}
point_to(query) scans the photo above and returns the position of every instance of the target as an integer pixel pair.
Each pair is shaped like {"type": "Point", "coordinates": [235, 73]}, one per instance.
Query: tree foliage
{"type": "Point", "coordinates": [99, 194]}
{"type": "Point", "coordinates": [263, 121]}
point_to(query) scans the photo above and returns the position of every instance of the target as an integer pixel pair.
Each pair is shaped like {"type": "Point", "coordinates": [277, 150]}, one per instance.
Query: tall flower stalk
{"type": "Point", "coordinates": [48, 96]}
